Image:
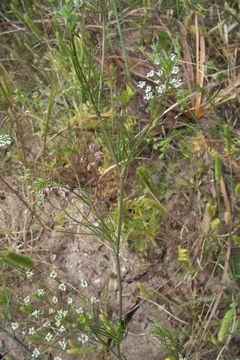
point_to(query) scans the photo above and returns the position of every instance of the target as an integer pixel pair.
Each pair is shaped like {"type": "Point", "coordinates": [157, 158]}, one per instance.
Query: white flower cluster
{"type": "Point", "coordinates": [155, 76]}
{"type": "Point", "coordinates": [35, 353]}
{"type": "Point", "coordinates": [79, 311]}
{"type": "Point", "coordinates": [61, 314]}
{"type": "Point", "coordinates": [53, 274]}
{"type": "Point", "coordinates": [36, 313]}
{"type": "Point", "coordinates": [49, 337]}
{"type": "Point", "coordinates": [29, 274]}
{"type": "Point", "coordinates": [78, 3]}
{"type": "Point", "coordinates": [83, 283]}
{"type": "Point", "coordinates": [62, 287]}
{"type": "Point", "coordinates": [94, 300]}
{"type": "Point", "coordinates": [40, 292]}
{"type": "Point", "coordinates": [31, 331]}
{"type": "Point", "coordinates": [46, 324]}
{"type": "Point", "coordinates": [54, 299]}
{"type": "Point", "coordinates": [63, 343]}
{"type": "Point", "coordinates": [27, 300]}
{"type": "Point", "coordinates": [14, 326]}
{"type": "Point", "coordinates": [83, 338]}
{"type": "Point", "coordinates": [5, 140]}
{"type": "Point", "coordinates": [69, 300]}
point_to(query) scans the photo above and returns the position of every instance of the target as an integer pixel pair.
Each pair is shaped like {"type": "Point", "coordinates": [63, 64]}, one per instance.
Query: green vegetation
{"type": "Point", "coordinates": [119, 179]}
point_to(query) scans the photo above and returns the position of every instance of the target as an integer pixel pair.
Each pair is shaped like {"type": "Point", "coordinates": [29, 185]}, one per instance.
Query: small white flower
{"type": "Point", "coordinates": [176, 82]}
{"type": "Point", "coordinates": [79, 311]}
{"type": "Point", "coordinates": [29, 274]}
{"type": "Point", "coordinates": [94, 300]}
{"type": "Point", "coordinates": [5, 140]}
{"type": "Point", "coordinates": [83, 283]}
{"type": "Point", "coordinates": [14, 325]}
{"type": "Point", "coordinates": [53, 274]}
{"type": "Point", "coordinates": [150, 73]}
{"type": "Point", "coordinates": [57, 358]}
{"type": "Point", "coordinates": [175, 70]}
{"type": "Point", "coordinates": [27, 300]}
{"type": "Point", "coordinates": [161, 89]}
{"type": "Point", "coordinates": [63, 344]}
{"type": "Point", "coordinates": [148, 89]}
{"type": "Point", "coordinates": [46, 324]}
{"type": "Point", "coordinates": [58, 323]}
{"type": "Point", "coordinates": [36, 313]}
{"type": "Point", "coordinates": [83, 338]}
{"type": "Point", "coordinates": [40, 292]}
{"type": "Point", "coordinates": [160, 72]}
{"type": "Point", "coordinates": [78, 2]}
{"type": "Point", "coordinates": [35, 353]}
{"type": "Point", "coordinates": [156, 62]}
{"type": "Point", "coordinates": [61, 314]}
{"type": "Point", "coordinates": [172, 56]}
{"type": "Point", "coordinates": [141, 84]}
{"type": "Point", "coordinates": [54, 299]}
{"type": "Point", "coordinates": [61, 329]}
{"type": "Point", "coordinates": [31, 331]}
{"type": "Point", "coordinates": [70, 301]}
{"type": "Point", "coordinates": [51, 311]}
{"type": "Point", "coordinates": [62, 287]}
{"type": "Point", "coordinates": [148, 96]}
{"type": "Point", "coordinates": [49, 337]}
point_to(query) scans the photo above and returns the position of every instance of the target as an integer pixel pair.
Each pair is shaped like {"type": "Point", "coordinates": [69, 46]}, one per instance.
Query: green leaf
{"type": "Point", "coordinates": [5, 296]}
{"type": "Point", "coordinates": [36, 338]}
{"type": "Point", "coordinates": [145, 179]}
{"type": "Point", "coordinates": [142, 289]}
{"type": "Point", "coordinates": [235, 265]}
{"type": "Point", "coordinates": [79, 351]}
{"type": "Point", "coordinates": [218, 168]}
{"type": "Point", "coordinates": [13, 259]}
{"type": "Point", "coordinates": [26, 309]}
{"type": "Point", "coordinates": [226, 324]}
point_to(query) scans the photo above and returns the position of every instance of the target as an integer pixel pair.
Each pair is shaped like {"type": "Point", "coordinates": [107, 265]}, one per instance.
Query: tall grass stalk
{"type": "Point", "coordinates": [121, 168]}
{"type": "Point", "coordinates": [123, 45]}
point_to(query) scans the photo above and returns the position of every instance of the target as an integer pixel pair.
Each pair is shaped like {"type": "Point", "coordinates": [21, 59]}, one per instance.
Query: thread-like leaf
{"type": "Point", "coordinates": [145, 179]}
{"type": "Point", "coordinates": [32, 27]}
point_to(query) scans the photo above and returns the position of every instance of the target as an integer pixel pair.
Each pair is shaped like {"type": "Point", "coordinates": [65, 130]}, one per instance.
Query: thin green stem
{"type": "Point", "coordinates": [15, 339]}
{"type": "Point", "coordinates": [121, 171]}
{"type": "Point", "coordinates": [117, 251]}
{"type": "Point", "coordinates": [84, 82]}
{"type": "Point", "coordinates": [102, 60]}
{"type": "Point", "coordinates": [123, 45]}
